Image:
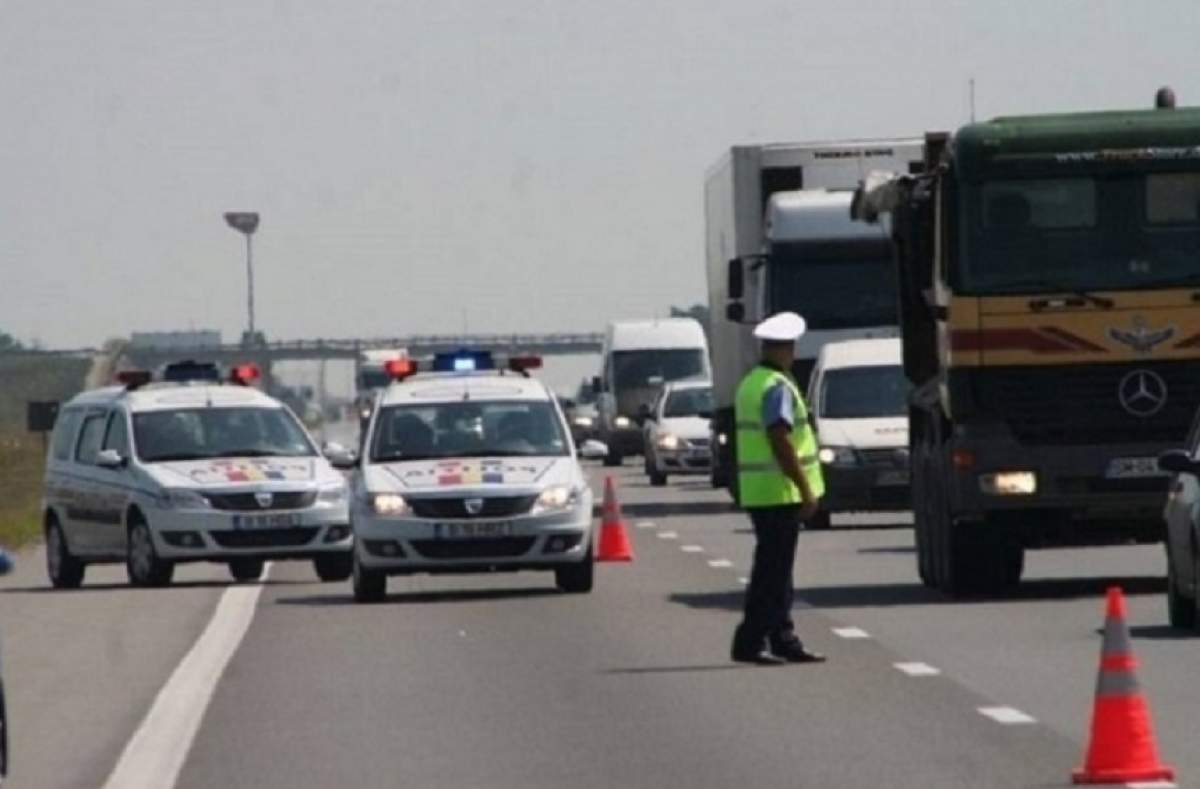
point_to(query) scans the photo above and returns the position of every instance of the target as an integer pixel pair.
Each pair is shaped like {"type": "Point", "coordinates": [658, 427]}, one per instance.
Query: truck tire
{"type": "Point", "coordinates": [822, 521]}
{"type": "Point", "coordinates": [921, 497]}
{"type": "Point", "coordinates": [613, 458]}
{"type": "Point", "coordinates": [1181, 610]}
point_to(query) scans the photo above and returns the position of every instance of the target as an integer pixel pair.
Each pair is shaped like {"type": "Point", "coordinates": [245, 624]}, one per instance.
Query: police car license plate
{"type": "Point", "coordinates": [1131, 468]}
{"type": "Point", "coordinates": [473, 531]}
{"type": "Point", "coordinates": [273, 520]}
{"type": "Point", "coordinates": [892, 478]}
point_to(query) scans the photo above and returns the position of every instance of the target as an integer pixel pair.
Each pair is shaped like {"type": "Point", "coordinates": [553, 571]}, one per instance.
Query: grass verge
{"type": "Point", "coordinates": [21, 464]}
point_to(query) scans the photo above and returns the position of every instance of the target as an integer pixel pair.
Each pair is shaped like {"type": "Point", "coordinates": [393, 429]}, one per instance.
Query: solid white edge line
{"type": "Point", "coordinates": [1006, 715]}
{"type": "Point", "coordinates": [668, 535]}
{"type": "Point", "coordinates": [154, 756]}
{"type": "Point", "coordinates": [718, 563]}
{"type": "Point", "coordinates": [918, 669]}
{"type": "Point", "coordinates": [692, 548]}
{"type": "Point", "coordinates": [850, 632]}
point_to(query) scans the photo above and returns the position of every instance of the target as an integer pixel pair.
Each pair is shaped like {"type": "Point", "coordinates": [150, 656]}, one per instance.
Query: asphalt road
{"type": "Point", "coordinates": [500, 681]}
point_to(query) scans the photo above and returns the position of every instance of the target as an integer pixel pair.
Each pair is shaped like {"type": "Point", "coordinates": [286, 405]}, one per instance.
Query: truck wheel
{"type": "Point", "coordinates": [657, 479]}
{"type": "Point", "coordinates": [613, 458]}
{"type": "Point", "coordinates": [142, 562]}
{"type": "Point", "coordinates": [1181, 611]}
{"type": "Point", "coordinates": [822, 521]}
{"type": "Point", "coordinates": [65, 571]}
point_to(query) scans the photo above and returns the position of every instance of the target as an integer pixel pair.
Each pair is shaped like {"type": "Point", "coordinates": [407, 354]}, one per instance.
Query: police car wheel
{"type": "Point", "coordinates": [370, 586]}
{"type": "Point", "coordinates": [334, 566]}
{"type": "Point", "coordinates": [577, 578]}
{"type": "Point", "coordinates": [142, 562]}
{"type": "Point", "coordinates": [65, 571]}
{"type": "Point", "coordinates": [246, 569]}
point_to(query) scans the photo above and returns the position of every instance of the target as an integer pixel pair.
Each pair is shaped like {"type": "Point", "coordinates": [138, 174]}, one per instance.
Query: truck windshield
{"type": "Point", "coordinates": [649, 368]}
{"type": "Point", "coordinates": [195, 433]}
{"type": "Point", "coordinates": [835, 285]}
{"type": "Point", "coordinates": [508, 428]}
{"type": "Point", "coordinates": [1082, 232]}
{"type": "Point", "coordinates": [864, 392]}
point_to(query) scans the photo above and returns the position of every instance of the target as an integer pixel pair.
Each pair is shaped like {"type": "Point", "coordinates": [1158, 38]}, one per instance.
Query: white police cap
{"type": "Point", "coordinates": [781, 327]}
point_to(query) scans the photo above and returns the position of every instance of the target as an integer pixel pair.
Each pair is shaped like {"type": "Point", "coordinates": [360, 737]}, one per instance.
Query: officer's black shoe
{"type": "Point", "coordinates": [794, 652]}
{"type": "Point", "coordinates": [756, 655]}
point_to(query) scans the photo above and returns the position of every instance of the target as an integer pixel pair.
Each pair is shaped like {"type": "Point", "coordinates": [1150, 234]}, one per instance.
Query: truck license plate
{"type": "Point", "coordinates": [472, 531]}
{"type": "Point", "coordinates": [1130, 468]}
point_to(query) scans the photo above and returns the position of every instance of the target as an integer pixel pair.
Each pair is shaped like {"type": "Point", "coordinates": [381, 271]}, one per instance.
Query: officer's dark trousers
{"type": "Point", "coordinates": [768, 612]}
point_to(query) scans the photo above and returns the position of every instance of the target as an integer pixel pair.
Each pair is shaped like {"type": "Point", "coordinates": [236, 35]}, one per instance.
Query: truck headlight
{"type": "Point", "coordinates": [332, 495]}
{"type": "Point", "coordinates": [556, 497]}
{"type": "Point", "coordinates": [668, 441]}
{"type": "Point", "coordinates": [1009, 483]}
{"type": "Point", "coordinates": [622, 422]}
{"type": "Point", "coordinates": [583, 421]}
{"type": "Point", "coordinates": [389, 504]}
{"type": "Point", "coordinates": [838, 456]}
{"type": "Point", "coordinates": [183, 499]}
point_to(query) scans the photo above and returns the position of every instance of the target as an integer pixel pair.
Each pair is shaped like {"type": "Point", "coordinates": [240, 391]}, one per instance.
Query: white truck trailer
{"type": "Point", "coordinates": [778, 236]}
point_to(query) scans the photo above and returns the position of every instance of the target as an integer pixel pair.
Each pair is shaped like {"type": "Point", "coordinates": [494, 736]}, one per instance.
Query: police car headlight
{"type": "Point", "coordinates": [838, 456]}
{"type": "Point", "coordinates": [183, 499]}
{"type": "Point", "coordinates": [622, 422]}
{"type": "Point", "coordinates": [332, 495]}
{"type": "Point", "coordinates": [668, 441]}
{"type": "Point", "coordinates": [558, 497]}
{"type": "Point", "coordinates": [389, 504]}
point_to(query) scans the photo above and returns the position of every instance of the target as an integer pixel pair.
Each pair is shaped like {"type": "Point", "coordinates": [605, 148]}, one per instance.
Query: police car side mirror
{"type": "Point", "coordinates": [1178, 461]}
{"type": "Point", "coordinates": [339, 457]}
{"type": "Point", "coordinates": [110, 459]}
{"type": "Point", "coordinates": [593, 450]}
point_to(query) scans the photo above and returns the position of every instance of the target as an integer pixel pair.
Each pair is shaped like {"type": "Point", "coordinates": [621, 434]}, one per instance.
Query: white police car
{"type": "Point", "coordinates": [468, 468]}
{"type": "Point", "coordinates": [189, 469]}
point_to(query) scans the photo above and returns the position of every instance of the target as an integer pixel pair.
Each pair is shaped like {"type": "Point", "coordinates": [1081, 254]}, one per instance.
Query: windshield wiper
{"type": "Point", "coordinates": [501, 453]}
{"type": "Point", "coordinates": [175, 457]}
{"type": "Point", "coordinates": [252, 453]}
{"type": "Point", "coordinates": [1041, 303]}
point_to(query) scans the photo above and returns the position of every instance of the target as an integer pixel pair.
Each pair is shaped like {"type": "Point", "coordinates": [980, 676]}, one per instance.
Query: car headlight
{"type": "Point", "coordinates": [557, 497]}
{"type": "Point", "coordinates": [183, 499]}
{"type": "Point", "coordinates": [583, 421]}
{"type": "Point", "coordinates": [334, 494]}
{"type": "Point", "coordinates": [668, 441]}
{"type": "Point", "coordinates": [622, 422]}
{"type": "Point", "coordinates": [722, 439]}
{"type": "Point", "coordinates": [364, 413]}
{"type": "Point", "coordinates": [838, 456]}
{"type": "Point", "coordinates": [389, 504]}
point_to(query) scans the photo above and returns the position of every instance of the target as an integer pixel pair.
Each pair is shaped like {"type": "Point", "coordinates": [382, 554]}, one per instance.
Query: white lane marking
{"type": "Point", "coordinates": [851, 632]}
{"type": "Point", "coordinates": [668, 535]}
{"type": "Point", "coordinates": [155, 754]}
{"type": "Point", "coordinates": [1151, 785]}
{"type": "Point", "coordinates": [918, 669]}
{"type": "Point", "coordinates": [645, 524]}
{"type": "Point", "coordinates": [744, 581]}
{"type": "Point", "coordinates": [1007, 715]}
{"type": "Point", "coordinates": [718, 563]}
{"type": "Point", "coordinates": [692, 548]}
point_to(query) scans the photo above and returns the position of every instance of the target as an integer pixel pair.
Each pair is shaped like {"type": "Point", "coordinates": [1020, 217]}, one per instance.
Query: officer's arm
{"type": "Point", "coordinates": [780, 437]}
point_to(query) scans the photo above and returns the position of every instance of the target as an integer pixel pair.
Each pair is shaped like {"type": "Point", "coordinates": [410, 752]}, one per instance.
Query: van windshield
{"type": "Point", "coordinates": [864, 392]}
{"type": "Point", "coordinates": [648, 368]}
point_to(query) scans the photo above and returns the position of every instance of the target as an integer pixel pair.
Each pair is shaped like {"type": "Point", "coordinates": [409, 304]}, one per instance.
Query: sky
{"type": "Point", "coordinates": [429, 166]}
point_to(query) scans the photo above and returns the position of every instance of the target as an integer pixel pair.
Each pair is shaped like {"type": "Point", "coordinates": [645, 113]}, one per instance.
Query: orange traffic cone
{"type": "Point", "coordinates": [1122, 747]}
{"type": "Point", "coordinates": [614, 541]}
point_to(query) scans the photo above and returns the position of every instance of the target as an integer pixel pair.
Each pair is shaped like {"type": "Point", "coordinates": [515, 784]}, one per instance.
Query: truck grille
{"type": "Point", "coordinates": [1081, 404]}
{"type": "Point", "coordinates": [493, 507]}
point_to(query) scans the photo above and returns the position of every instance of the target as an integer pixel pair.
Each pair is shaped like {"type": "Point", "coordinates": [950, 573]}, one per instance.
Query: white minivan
{"type": "Point", "coordinates": [638, 358]}
{"type": "Point", "coordinates": [859, 402]}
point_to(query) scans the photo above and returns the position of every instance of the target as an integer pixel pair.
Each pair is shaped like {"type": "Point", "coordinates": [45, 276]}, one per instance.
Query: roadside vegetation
{"type": "Point", "coordinates": [22, 379]}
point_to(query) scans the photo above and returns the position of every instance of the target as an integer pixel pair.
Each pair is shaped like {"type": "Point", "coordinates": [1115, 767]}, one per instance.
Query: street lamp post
{"type": "Point", "coordinates": [246, 222]}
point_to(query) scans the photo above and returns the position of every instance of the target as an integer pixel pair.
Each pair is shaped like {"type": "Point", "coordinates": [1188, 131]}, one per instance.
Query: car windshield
{"type": "Point", "coordinates": [194, 433]}
{"type": "Point", "coordinates": [688, 402]}
{"type": "Point", "coordinates": [637, 369]}
{"type": "Point", "coordinates": [505, 428]}
{"type": "Point", "coordinates": [864, 392]}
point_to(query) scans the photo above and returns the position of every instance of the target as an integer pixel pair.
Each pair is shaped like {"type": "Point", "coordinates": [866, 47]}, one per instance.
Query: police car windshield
{"type": "Point", "coordinates": [196, 433]}
{"type": "Point", "coordinates": [505, 428]}
{"type": "Point", "coordinates": [864, 392]}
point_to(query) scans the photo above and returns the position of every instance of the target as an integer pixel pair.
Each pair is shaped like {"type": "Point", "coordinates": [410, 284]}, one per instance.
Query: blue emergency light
{"type": "Point", "coordinates": [463, 361]}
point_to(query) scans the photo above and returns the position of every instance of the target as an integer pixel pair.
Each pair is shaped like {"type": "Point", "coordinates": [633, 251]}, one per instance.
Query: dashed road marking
{"type": "Point", "coordinates": [692, 548]}
{"type": "Point", "coordinates": [1151, 785]}
{"type": "Point", "coordinates": [851, 632]}
{"type": "Point", "coordinates": [668, 535]}
{"type": "Point", "coordinates": [718, 563]}
{"type": "Point", "coordinates": [918, 669]}
{"type": "Point", "coordinates": [1007, 715]}
{"type": "Point", "coordinates": [645, 524]}
{"type": "Point", "coordinates": [155, 754]}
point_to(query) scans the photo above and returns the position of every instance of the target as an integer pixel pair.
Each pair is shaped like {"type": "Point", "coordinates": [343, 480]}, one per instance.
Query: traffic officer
{"type": "Point", "coordinates": [780, 485]}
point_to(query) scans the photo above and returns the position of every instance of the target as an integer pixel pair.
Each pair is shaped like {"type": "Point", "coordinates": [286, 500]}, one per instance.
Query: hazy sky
{"type": "Point", "coordinates": [512, 165]}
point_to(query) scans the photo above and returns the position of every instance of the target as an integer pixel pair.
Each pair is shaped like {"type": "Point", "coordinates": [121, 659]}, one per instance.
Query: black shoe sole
{"type": "Point", "coordinates": [759, 659]}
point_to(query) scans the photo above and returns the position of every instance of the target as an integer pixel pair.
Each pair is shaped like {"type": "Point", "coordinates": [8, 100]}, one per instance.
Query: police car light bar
{"type": "Point", "coordinates": [399, 369]}
{"type": "Point", "coordinates": [522, 363]}
{"type": "Point", "coordinates": [463, 361]}
{"type": "Point", "coordinates": [181, 372]}
{"type": "Point", "coordinates": [133, 379]}
{"type": "Point", "coordinates": [245, 374]}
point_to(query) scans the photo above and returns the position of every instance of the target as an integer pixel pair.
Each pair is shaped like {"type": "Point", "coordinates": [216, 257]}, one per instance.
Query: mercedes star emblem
{"type": "Point", "coordinates": [1142, 393]}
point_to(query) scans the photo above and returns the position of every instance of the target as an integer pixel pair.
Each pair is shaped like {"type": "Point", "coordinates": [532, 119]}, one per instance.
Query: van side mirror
{"type": "Point", "coordinates": [339, 456]}
{"type": "Point", "coordinates": [1178, 461]}
{"type": "Point", "coordinates": [735, 286]}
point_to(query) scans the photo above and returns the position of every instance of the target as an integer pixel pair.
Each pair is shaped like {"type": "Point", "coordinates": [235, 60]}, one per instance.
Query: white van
{"type": "Point", "coordinates": [859, 401]}
{"type": "Point", "coordinates": [638, 358]}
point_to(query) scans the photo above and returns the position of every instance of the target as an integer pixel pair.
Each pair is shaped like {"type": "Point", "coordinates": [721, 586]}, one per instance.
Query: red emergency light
{"type": "Point", "coordinates": [245, 374]}
{"type": "Point", "coordinates": [524, 363]}
{"type": "Point", "coordinates": [399, 369]}
{"type": "Point", "coordinates": [132, 379]}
